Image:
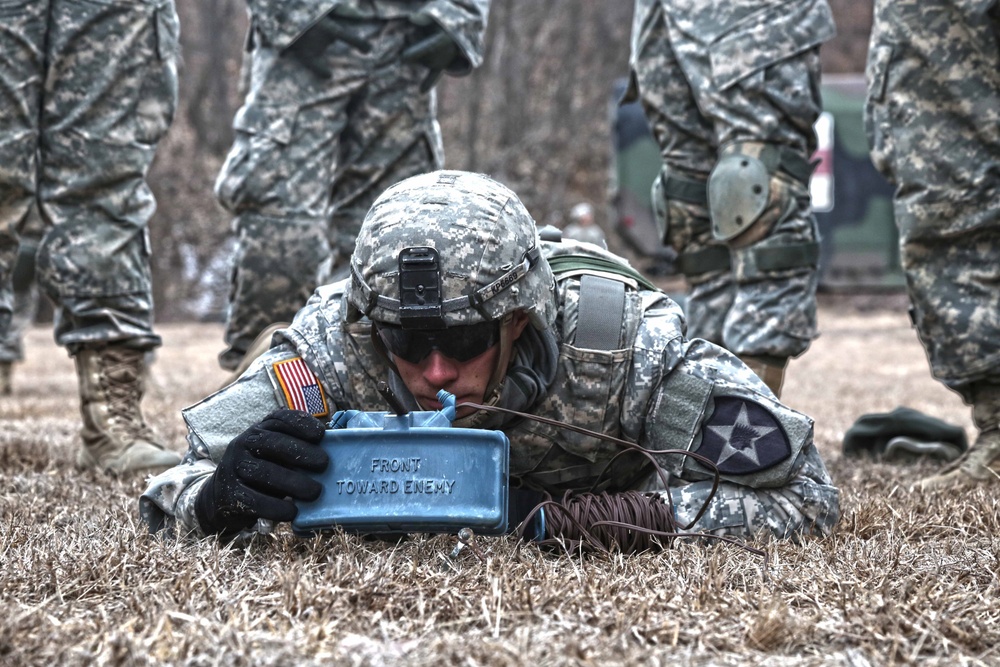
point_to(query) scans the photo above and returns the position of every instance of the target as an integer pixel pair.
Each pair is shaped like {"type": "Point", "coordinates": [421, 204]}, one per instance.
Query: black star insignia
{"type": "Point", "coordinates": [742, 437]}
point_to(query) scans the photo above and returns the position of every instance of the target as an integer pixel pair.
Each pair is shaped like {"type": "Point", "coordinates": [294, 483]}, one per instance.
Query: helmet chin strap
{"type": "Point", "coordinates": [495, 385]}
{"type": "Point", "coordinates": [494, 388]}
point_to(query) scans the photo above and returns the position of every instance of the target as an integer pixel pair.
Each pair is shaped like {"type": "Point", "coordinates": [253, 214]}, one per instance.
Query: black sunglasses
{"type": "Point", "coordinates": [460, 343]}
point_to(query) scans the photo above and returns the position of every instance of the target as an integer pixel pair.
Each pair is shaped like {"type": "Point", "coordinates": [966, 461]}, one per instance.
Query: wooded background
{"type": "Point", "coordinates": [535, 116]}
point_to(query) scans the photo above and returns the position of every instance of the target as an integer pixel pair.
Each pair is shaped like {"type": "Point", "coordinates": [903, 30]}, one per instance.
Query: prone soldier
{"type": "Point", "coordinates": [451, 288]}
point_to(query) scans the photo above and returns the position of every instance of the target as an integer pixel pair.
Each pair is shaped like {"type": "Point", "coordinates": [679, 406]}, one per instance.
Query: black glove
{"type": "Point", "coordinates": [436, 51]}
{"type": "Point", "coordinates": [260, 470]}
{"type": "Point", "coordinates": [310, 48]}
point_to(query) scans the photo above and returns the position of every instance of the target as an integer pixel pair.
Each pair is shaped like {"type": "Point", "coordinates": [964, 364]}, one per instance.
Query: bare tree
{"type": "Point", "coordinates": [190, 229]}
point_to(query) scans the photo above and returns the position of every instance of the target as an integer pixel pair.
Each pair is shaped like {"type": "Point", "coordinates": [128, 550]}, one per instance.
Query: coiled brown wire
{"type": "Point", "coordinates": [628, 521]}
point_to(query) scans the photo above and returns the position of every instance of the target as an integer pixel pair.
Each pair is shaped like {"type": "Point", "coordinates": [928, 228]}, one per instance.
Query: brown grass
{"type": "Point", "coordinates": [907, 578]}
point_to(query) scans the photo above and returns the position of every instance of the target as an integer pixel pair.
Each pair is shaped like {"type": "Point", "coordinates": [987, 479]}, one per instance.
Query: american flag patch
{"type": "Point", "coordinates": [302, 389]}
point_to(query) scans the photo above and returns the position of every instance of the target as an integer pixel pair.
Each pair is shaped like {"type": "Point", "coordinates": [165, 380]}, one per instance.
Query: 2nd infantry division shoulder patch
{"type": "Point", "coordinates": [301, 387]}
{"type": "Point", "coordinates": [743, 437]}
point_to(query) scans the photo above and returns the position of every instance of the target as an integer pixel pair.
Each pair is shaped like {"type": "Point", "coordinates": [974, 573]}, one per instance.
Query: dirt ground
{"type": "Point", "coordinates": [907, 577]}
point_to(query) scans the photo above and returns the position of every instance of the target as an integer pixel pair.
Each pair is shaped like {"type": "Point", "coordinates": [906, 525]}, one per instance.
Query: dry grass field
{"type": "Point", "coordinates": [907, 578]}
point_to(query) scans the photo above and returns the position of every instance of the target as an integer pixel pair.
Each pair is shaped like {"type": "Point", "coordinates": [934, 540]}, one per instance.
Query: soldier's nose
{"type": "Point", "coordinates": [439, 369]}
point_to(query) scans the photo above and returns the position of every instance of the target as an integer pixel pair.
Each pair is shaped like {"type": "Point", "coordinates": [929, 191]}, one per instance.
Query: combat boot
{"type": "Point", "coordinates": [981, 464]}
{"type": "Point", "coordinates": [116, 438]}
{"type": "Point", "coordinates": [769, 369]}
{"type": "Point", "coordinates": [6, 378]}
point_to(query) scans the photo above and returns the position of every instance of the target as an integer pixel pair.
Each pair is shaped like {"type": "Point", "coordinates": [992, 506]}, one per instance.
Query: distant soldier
{"type": "Point", "coordinates": [87, 90]}
{"type": "Point", "coordinates": [583, 227]}
{"type": "Point", "coordinates": [25, 303]}
{"type": "Point", "coordinates": [731, 90]}
{"type": "Point", "coordinates": [341, 105]}
{"type": "Point", "coordinates": [933, 123]}
{"type": "Point", "coordinates": [497, 325]}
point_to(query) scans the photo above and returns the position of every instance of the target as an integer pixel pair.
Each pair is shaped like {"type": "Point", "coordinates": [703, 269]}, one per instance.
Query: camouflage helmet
{"type": "Point", "coordinates": [449, 248]}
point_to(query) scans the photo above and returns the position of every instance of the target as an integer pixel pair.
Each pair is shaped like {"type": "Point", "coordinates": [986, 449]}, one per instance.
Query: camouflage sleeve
{"type": "Point", "coordinates": [168, 501]}
{"type": "Point", "coordinates": [465, 22]}
{"type": "Point", "coordinates": [704, 400]}
{"type": "Point", "coordinates": [808, 504]}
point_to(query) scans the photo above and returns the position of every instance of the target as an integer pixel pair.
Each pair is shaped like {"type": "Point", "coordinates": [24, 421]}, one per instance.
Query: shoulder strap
{"type": "Point", "coordinates": [602, 310]}
{"type": "Point", "coordinates": [579, 262]}
{"type": "Point", "coordinates": [602, 295]}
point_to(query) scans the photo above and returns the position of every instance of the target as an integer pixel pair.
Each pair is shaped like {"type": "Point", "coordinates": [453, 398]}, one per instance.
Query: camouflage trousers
{"type": "Point", "coordinates": [87, 89]}
{"type": "Point", "coordinates": [933, 122]}
{"type": "Point", "coordinates": [720, 78]}
{"type": "Point", "coordinates": [309, 159]}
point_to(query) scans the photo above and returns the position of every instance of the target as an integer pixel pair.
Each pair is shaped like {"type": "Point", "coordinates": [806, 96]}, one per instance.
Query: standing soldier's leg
{"type": "Point", "coordinates": [761, 90]}
{"type": "Point", "coordinates": [276, 181]}
{"type": "Point", "coordinates": [680, 197]}
{"type": "Point", "coordinates": [947, 202]}
{"type": "Point", "coordinates": [763, 212]}
{"type": "Point", "coordinates": [110, 94]}
{"type": "Point", "coordinates": [392, 134]}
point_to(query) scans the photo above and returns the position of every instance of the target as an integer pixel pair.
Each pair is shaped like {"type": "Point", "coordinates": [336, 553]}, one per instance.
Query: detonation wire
{"type": "Point", "coordinates": [652, 514]}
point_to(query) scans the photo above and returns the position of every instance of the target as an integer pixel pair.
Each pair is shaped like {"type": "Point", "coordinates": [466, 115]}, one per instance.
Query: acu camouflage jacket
{"type": "Point", "coordinates": [655, 388]}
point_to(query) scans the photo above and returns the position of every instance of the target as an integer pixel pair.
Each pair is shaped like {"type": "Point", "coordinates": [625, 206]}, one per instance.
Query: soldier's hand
{"type": "Point", "coordinates": [263, 472]}
{"type": "Point", "coordinates": [436, 51]}
{"type": "Point", "coordinates": [310, 48]}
